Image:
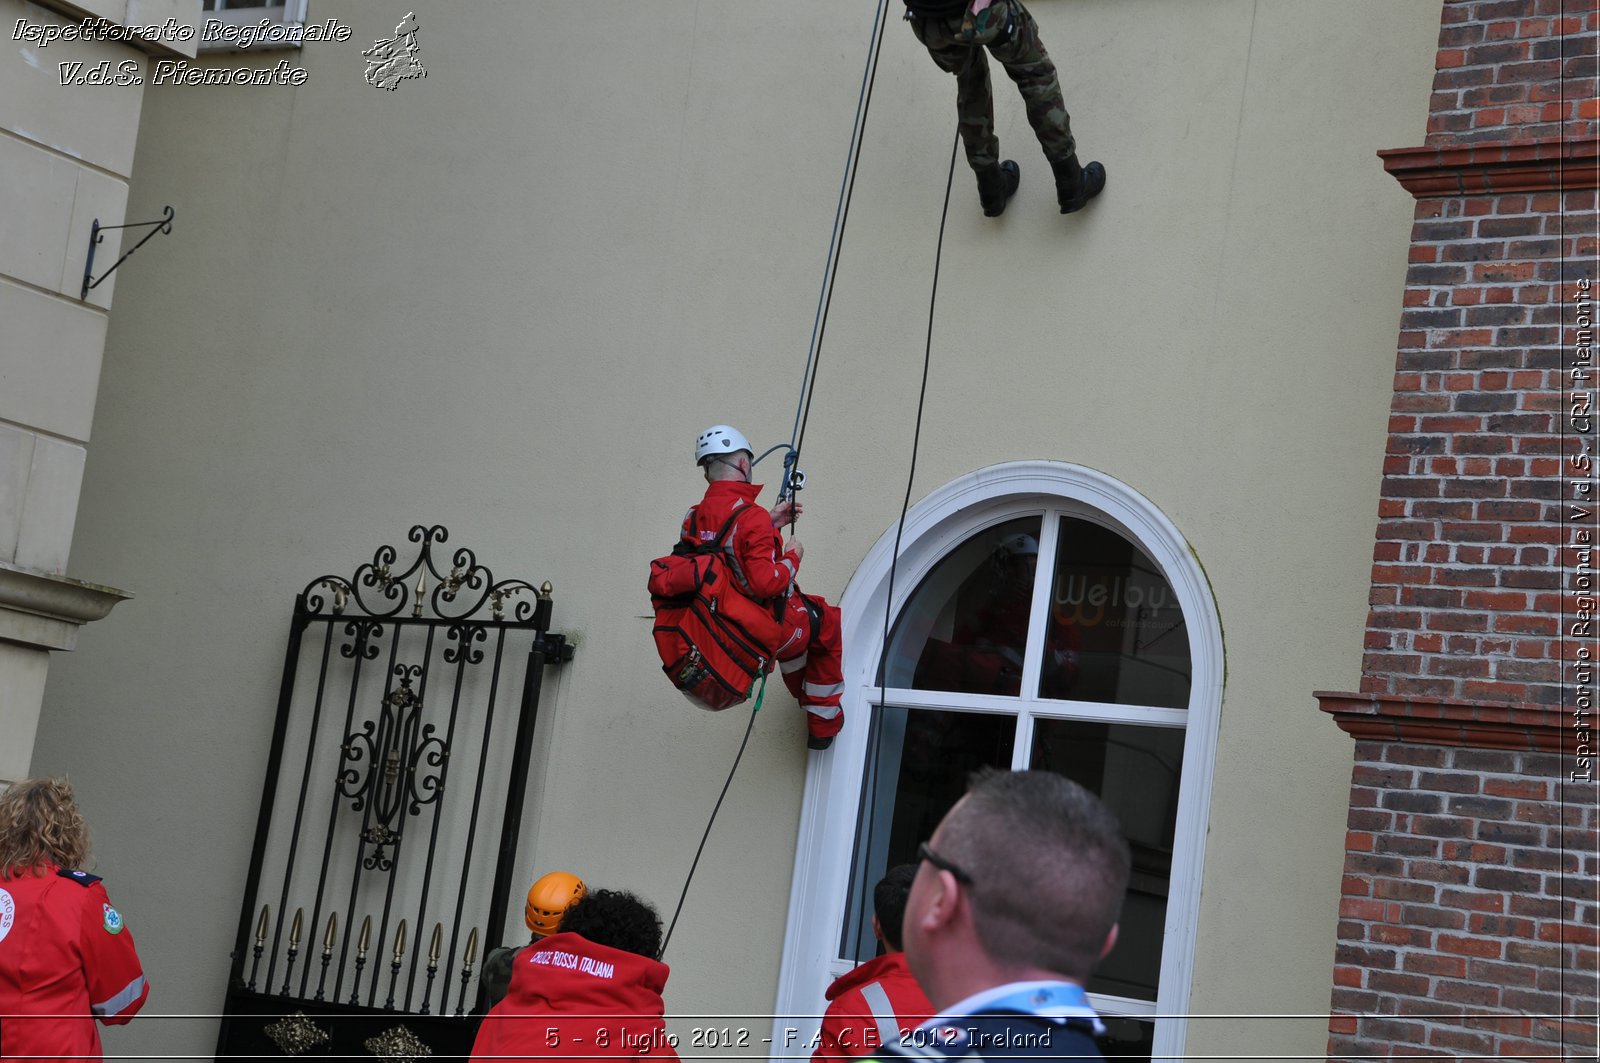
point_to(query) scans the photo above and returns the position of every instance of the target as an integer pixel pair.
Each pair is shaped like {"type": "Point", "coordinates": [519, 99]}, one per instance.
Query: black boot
{"type": "Point", "coordinates": [1076, 185]}
{"type": "Point", "coordinates": [996, 185]}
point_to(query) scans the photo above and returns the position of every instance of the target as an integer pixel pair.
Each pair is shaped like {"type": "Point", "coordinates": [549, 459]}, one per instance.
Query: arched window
{"type": "Point", "coordinates": [1042, 616]}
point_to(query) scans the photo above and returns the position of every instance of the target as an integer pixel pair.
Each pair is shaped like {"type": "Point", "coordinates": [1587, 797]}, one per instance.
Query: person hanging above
{"type": "Point", "coordinates": [590, 990]}
{"type": "Point", "coordinates": [956, 32]}
{"type": "Point", "coordinates": [548, 900]}
{"type": "Point", "coordinates": [744, 603]}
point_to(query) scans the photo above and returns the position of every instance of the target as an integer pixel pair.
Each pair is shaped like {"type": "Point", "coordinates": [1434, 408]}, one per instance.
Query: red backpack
{"type": "Point", "coordinates": [714, 640]}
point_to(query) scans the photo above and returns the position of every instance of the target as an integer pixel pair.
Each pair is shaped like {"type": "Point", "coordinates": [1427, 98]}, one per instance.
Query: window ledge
{"type": "Point", "coordinates": [169, 19]}
{"type": "Point", "coordinates": [254, 29]}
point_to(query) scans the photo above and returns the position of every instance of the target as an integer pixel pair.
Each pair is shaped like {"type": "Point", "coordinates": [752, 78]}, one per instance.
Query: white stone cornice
{"type": "Point", "coordinates": [43, 610]}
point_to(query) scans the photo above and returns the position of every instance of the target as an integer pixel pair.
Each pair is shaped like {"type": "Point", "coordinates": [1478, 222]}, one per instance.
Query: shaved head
{"type": "Point", "coordinates": [1049, 864]}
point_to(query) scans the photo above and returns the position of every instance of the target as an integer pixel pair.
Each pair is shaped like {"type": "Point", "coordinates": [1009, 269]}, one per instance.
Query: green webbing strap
{"type": "Point", "coordinates": [759, 689]}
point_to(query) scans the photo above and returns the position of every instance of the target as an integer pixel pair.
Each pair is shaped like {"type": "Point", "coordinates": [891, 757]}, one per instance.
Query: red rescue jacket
{"type": "Point", "coordinates": [754, 547]}
{"type": "Point", "coordinates": [873, 1005]}
{"type": "Point", "coordinates": [573, 999]}
{"type": "Point", "coordinates": [67, 958]}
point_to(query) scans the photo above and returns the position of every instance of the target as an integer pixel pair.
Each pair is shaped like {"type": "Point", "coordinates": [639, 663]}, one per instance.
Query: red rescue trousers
{"type": "Point", "coordinates": [811, 659]}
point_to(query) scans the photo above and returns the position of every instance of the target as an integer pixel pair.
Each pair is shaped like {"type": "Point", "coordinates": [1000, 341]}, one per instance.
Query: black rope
{"type": "Point", "coordinates": [717, 808]}
{"type": "Point", "coordinates": [899, 529]}
{"type": "Point", "coordinates": [808, 381]}
{"type": "Point", "coordinates": [847, 187]}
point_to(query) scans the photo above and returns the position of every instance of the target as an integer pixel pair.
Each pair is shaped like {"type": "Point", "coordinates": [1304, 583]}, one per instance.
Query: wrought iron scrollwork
{"type": "Point", "coordinates": [385, 766]}
{"type": "Point", "coordinates": [380, 589]}
{"type": "Point", "coordinates": [411, 676]}
{"type": "Point", "coordinates": [363, 640]}
{"type": "Point", "coordinates": [462, 638]}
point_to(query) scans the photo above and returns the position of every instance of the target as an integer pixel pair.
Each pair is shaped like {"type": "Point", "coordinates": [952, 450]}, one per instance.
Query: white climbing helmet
{"type": "Point", "coordinates": [720, 439]}
{"type": "Point", "coordinates": [1019, 544]}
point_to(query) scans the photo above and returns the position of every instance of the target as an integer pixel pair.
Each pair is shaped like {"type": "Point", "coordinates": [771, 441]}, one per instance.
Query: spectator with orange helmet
{"type": "Point", "coordinates": [591, 990]}
{"type": "Point", "coordinates": [548, 900]}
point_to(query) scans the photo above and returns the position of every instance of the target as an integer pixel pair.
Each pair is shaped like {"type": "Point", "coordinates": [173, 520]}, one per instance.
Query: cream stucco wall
{"type": "Point", "coordinates": [66, 151]}
{"type": "Point", "coordinates": [504, 297]}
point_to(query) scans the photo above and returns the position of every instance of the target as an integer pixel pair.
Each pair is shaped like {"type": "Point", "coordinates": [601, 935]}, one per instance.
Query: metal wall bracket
{"type": "Point", "coordinates": [163, 225]}
{"type": "Point", "coordinates": [557, 650]}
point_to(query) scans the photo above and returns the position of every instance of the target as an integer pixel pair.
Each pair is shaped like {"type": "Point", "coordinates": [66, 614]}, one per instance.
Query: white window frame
{"type": "Point", "coordinates": [292, 14]}
{"type": "Point", "coordinates": [933, 527]}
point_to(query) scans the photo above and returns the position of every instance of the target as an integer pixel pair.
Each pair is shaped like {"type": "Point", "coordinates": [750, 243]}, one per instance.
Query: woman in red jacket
{"type": "Point", "coordinates": [66, 957]}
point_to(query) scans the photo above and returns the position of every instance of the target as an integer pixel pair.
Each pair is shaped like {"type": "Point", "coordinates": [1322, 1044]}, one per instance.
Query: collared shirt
{"type": "Point", "coordinates": [1045, 998]}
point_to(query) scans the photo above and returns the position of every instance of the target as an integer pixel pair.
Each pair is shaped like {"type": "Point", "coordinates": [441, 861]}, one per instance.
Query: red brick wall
{"type": "Point", "coordinates": [1465, 581]}
{"type": "Point", "coordinates": [1468, 919]}
{"type": "Point", "coordinates": [1513, 71]}
{"type": "Point", "coordinates": [1469, 924]}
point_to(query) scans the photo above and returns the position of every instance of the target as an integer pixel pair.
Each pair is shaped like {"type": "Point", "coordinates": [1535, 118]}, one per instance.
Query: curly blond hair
{"type": "Point", "coordinates": [40, 824]}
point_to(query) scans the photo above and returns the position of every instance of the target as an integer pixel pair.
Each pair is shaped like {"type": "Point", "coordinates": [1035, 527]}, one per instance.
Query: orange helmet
{"type": "Point", "coordinates": [549, 899]}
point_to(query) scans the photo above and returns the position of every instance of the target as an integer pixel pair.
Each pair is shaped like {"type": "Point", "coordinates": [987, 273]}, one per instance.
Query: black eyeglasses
{"type": "Point", "coordinates": [925, 853]}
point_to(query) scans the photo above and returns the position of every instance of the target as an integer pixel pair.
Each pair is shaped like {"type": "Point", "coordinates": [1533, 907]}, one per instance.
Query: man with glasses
{"type": "Point", "coordinates": [1014, 904]}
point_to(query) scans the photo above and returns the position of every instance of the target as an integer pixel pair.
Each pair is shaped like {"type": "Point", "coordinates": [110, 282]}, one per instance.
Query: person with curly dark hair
{"type": "Point", "coordinates": [616, 919]}
{"type": "Point", "coordinates": [66, 957]}
{"type": "Point", "coordinates": [593, 989]}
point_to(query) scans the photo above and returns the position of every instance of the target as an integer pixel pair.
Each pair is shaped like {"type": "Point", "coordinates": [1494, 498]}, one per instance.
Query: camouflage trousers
{"type": "Point", "coordinates": [1011, 35]}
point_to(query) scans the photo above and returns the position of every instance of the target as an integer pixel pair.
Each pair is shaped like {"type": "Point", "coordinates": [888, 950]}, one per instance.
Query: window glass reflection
{"type": "Point", "coordinates": [1136, 771]}
{"type": "Point", "coordinates": [965, 627]}
{"type": "Point", "coordinates": [1115, 632]}
{"type": "Point", "coordinates": [920, 769]}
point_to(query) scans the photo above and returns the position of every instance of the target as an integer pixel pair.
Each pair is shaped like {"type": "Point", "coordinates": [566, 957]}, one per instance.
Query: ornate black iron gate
{"type": "Point", "coordinates": [369, 903]}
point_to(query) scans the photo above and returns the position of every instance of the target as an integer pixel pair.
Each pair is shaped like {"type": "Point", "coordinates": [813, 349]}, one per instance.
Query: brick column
{"type": "Point", "coordinates": [1469, 919]}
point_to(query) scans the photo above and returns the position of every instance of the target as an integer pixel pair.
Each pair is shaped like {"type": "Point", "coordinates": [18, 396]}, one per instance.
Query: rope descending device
{"type": "Point", "coordinates": [875, 733]}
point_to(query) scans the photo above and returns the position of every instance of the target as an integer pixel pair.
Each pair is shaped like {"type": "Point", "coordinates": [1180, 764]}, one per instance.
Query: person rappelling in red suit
{"type": "Point", "coordinates": [764, 568]}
